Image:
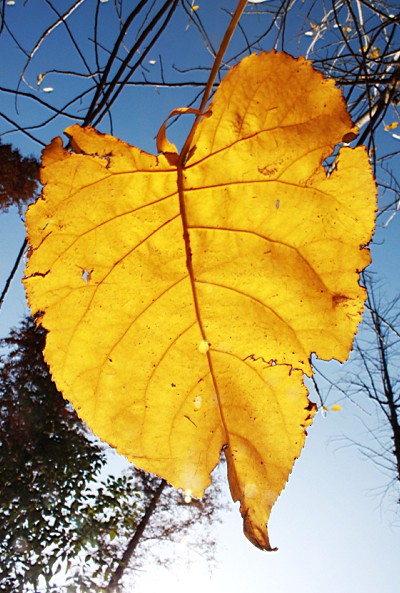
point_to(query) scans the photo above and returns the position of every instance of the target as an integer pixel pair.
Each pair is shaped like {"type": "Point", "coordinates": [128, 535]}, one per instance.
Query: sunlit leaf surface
{"type": "Point", "coordinates": [183, 302]}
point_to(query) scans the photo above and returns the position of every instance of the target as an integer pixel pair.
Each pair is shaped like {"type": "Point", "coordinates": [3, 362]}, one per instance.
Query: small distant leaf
{"type": "Point", "coordinates": [391, 126]}
{"type": "Point", "coordinates": [212, 280]}
{"type": "Point", "coordinates": [374, 53]}
{"type": "Point", "coordinates": [336, 408]}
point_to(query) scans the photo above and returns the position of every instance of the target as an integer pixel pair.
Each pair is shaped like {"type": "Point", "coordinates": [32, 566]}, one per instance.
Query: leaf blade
{"type": "Point", "coordinates": [184, 300]}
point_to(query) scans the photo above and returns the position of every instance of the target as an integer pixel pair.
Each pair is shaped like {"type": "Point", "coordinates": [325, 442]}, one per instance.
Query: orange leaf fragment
{"type": "Point", "coordinates": [336, 408]}
{"type": "Point", "coordinates": [391, 126]}
{"type": "Point", "coordinates": [208, 284]}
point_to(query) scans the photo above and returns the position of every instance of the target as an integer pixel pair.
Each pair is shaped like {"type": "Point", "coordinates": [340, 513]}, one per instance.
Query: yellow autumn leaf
{"type": "Point", "coordinates": [183, 297]}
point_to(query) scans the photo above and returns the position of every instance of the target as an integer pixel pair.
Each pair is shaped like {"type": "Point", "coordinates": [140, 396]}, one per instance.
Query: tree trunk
{"type": "Point", "coordinates": [133, 543]}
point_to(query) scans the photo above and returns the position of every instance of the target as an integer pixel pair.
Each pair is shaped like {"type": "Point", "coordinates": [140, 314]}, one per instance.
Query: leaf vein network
{"type": "Point", "coordinates": [100, 283]}
{"type": "Point", "coordinates": [268, 240]}
{"type": "Point", "coordinates": [224, 184]}
{"type": "Point", "coordinates": [254, 299]}
{"type": "Point", "coordinates": [107, 221]}
{"type": "Point", "coordinates": [211, 154]}
{"type": "Point", "coordinates": [142, 312]}
{"type": "Point", "coordinates": [129, 327]}
{"type": "Point", "coordinates": [156, 365]}
{"type": "Point", "coordinates": [254, 370]}
{"type": "Point", "coordinates": [190, 390]}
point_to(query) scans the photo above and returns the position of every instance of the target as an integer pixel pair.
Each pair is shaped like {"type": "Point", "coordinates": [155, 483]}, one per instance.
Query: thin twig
{"type": "Point", "coordinates": [13, 272]}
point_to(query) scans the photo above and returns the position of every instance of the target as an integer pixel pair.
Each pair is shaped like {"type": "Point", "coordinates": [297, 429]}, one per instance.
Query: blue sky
{"type": "Point", "coordinates": [335, 529]}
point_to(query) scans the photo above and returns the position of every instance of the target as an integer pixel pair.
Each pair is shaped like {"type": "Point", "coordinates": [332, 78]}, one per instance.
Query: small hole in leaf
{"type": "Point", "coordinates": [86, 275]}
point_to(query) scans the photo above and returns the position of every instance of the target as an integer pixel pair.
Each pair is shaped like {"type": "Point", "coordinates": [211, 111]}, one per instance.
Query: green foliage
{"type": "Point", "coordinates": [19, 178]}
{"type": "Point", "coordinates": [59, 510]}
{"type": "Point", "coordinates": [47, 460]}
{"type": "Point", "coordinates": [50, 509]}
